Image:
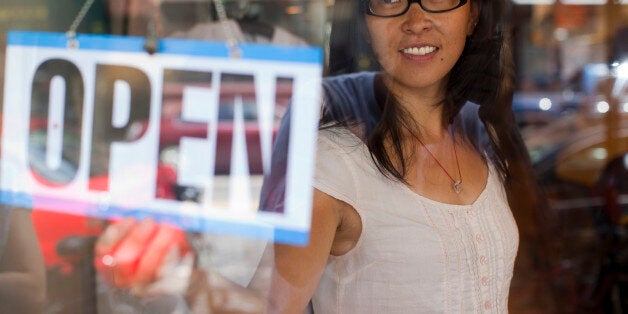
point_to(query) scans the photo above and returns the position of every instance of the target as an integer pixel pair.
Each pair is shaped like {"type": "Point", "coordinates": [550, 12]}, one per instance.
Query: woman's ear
{"type": "Point", "coordinates": [473, 17]}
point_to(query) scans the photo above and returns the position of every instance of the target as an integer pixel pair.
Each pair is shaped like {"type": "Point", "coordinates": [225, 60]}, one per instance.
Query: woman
{"type": "Point", "coordinates": [411, 207]}
{"type": "Point", "coordinates": [414, 185]}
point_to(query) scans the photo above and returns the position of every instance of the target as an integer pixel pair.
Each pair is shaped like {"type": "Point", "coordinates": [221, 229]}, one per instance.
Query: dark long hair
{"type": "Point", "coordinates": [483, 75]}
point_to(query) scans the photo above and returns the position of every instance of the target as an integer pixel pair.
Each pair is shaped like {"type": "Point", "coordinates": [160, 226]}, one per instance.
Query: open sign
{"type": "Point", "coordinates": [83, 129]}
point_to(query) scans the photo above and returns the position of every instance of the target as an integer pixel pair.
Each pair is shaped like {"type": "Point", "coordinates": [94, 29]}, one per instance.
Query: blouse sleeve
{"type": "Point", "coordinates": [334, 172]}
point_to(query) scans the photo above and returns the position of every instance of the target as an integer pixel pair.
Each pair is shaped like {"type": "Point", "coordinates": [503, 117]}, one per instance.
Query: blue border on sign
{"type": "Point", "coordinates": [304, 54]}
{"type": "Point", "coordinates": [188, 223]}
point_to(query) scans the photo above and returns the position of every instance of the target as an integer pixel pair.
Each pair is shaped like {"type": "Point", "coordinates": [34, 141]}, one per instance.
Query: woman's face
{"type": "Point", "coordinates": [417, 50]}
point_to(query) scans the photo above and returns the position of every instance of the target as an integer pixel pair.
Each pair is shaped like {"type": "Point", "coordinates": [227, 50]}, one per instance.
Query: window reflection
{"type": "Point", "coordinates": [571, 103]}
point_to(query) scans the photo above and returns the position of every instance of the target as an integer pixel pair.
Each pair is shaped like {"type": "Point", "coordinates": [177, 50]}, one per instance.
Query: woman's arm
{"type": "Point", "coordinates": [286, 277]}
{"type": "Point", "coordinates": [294, 271]}
{"type": "Point", "coordinates": [22, 270]}
{"type": "Point", "coordinates": [297, 270]}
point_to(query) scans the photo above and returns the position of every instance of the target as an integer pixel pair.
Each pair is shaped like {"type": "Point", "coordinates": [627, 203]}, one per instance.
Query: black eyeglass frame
{"type": "Point", "coordinates": [369, 11]}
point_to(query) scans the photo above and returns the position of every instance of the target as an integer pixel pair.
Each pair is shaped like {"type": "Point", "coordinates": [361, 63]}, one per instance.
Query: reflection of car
{"type": "Point", "coordinates": [539, 109]}
{"type": "Point", "coordinates": [173, 128]}
{"type": "Point", "coordinates": [582, 165]}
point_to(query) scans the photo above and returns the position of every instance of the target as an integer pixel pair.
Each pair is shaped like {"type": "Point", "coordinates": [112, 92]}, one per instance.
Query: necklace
{"type": "Point", "coordinates": [457, 184]}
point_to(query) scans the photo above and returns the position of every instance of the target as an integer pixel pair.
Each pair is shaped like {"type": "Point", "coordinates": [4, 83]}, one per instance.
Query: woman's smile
{"type": "Point", "coordinates": [419, 52]}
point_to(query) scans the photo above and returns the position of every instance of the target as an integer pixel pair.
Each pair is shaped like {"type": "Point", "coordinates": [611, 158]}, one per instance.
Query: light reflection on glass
{"type": "Point", "coordinates": [602, 107]}
{"type": "Point", "coordinates": [599, 153]}
{"type": "Point", "coordinates": [545, 104]}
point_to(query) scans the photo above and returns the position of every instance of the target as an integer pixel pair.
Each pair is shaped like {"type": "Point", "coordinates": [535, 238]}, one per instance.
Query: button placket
{"type": "Point", "coordinates": [483, 269]}
{"type": "Point", "coordinates": [485, 281]}
{"type": "Point", "coordinates": [479, 238]}
{"type": "Point", "coordinates": [482, 260]}
{"type": "Point", "coordinates": [488, 305]}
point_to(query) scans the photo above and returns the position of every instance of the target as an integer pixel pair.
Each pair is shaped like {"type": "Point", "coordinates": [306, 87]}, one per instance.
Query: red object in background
{"type": "Point", "coordinates": [54, 227]}
{"type": "Point", "coordinates": [572, 17]}
{"type": "Point", "coordinates": [173, 129]}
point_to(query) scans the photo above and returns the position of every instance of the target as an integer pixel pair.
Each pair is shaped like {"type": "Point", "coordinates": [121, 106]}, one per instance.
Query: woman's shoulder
{"type": "Point", "coordinates": [339, 136]}
{"type": "Point", "coordinates": [349, 99]}
{"type": "Point", "coordinates": [350, 78]}
{"type": "Point", "coordinates": [349, 86]}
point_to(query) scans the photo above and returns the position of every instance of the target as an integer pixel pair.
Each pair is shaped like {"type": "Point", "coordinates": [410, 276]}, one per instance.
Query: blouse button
{"type": "Point", "coordinates": [487, 305]}
{"type": "Point", "coordinates": [479, 238]}
{"type": "Point", "coordinates": [483, 260]}
{"type": "Point", "coordinates": [485, 281]}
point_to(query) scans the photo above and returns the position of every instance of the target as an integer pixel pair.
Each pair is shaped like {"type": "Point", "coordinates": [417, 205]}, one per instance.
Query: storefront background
{"type": "Point", "coordinates": [571, 102]}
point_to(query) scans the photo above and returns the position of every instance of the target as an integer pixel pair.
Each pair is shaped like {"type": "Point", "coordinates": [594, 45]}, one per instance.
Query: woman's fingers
{"type": "Point", "coordinates": [119, 249]}
{"type": "Point", "coordinates": [130, 254]}
{"type": "Point", "coordinates": [166, 239]}
{"type": "Point", "coordinates": [112, 235]}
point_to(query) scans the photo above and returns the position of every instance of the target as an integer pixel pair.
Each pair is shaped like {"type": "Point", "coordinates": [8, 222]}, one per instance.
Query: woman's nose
{"type": "Point", "coordinates": [417, 19]}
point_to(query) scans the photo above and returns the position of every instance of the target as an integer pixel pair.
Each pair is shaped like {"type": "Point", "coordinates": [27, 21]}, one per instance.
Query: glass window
{"type": "Point", "coordinates": [570, 102]}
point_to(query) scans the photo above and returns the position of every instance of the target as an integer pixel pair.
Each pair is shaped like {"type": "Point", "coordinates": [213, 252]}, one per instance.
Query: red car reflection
{"type": "Point", "coordinates": [172, 130]}
{"type": "Point", "coordinates": [173, 127]}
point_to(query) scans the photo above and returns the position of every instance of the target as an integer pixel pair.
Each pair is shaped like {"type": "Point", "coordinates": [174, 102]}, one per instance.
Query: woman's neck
{"type": "Point", "coordinates": [424, 105]}
{"type": "Point", "coordinates": [427, 113]}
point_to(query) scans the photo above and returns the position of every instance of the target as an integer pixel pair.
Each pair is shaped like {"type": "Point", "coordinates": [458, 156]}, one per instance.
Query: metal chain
{"type": "Point", "coordinates": [154, 28]}
{"type": "Point", "coordinates": [71, 33]}
{"type": "Point", "coordinates": [232, 41]}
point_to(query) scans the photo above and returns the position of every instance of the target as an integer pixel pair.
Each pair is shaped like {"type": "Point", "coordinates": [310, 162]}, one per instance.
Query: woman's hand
{"type": "Point", "coordinates": [151, 259]}
{"type": "Point", "coordinates": [144, 256]}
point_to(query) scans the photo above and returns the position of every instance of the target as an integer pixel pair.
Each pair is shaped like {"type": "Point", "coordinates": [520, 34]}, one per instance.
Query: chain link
{"type": "Point", "coordinates": [71, 33]}
{"type": "Point", "coordinates": [232, 41]}
{"type": "Point", "coordinates": [154, 28]}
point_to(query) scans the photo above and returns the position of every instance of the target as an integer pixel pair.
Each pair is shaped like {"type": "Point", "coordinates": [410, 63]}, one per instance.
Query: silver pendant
{"type": "Point", "coordinates": [458, 186]}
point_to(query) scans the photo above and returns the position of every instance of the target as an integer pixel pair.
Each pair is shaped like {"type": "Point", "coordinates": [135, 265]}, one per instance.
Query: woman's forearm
{"type": "Point", "coordinates": [21, 293]}
{"type": "Point", "coordinates": [22, 269]}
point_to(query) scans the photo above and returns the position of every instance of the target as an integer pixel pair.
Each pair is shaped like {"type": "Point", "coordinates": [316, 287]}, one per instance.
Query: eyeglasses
{"type": "Point", "coordinates": [392, 8]}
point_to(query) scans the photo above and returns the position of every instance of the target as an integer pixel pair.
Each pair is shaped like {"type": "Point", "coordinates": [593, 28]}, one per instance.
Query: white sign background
{"type": "Point", "coordinates": [131, 174]}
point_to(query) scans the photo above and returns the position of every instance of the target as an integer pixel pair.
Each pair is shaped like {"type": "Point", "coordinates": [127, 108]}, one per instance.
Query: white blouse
{"type": "Point", "coordinates": [415, 255]}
